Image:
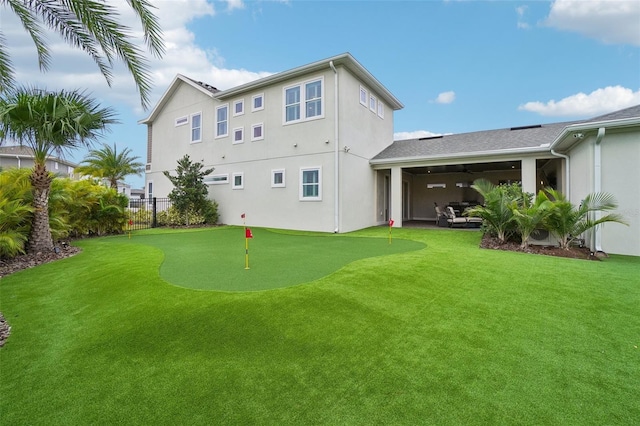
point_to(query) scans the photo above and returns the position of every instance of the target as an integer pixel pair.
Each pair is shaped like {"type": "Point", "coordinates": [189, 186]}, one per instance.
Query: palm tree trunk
{"type": "Point", "coordinates": [40, 237]}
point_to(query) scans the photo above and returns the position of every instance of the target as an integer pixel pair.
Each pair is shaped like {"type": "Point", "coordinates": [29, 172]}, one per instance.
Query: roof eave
{"type": "Point", "coordinates": [443, 157]}
{"type": "Point", "coordinates": [560, 144]}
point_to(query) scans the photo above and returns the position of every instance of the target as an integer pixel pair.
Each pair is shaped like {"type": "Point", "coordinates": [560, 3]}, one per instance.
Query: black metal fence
{"type": "Point", "coordinates": [143, 212]}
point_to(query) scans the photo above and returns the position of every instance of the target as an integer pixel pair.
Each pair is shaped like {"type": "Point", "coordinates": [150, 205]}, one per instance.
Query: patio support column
{"type": "Point", "coordinates": [396, 196]}
{"type": "Point", "coordinates": [529, 175]}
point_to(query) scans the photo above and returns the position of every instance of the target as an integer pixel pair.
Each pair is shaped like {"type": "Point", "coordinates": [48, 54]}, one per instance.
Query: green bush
{"type": "Point", "coordinates": [172, 217]}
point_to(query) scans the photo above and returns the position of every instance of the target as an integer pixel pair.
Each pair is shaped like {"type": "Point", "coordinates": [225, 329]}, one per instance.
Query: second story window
{"type": "Point", "coordinates": [196, 127]}
{"type": "Point", "coordinates": [238, 107]}
{"type": "Point", "coordinates": [257, 102]}
{"type": "Point", "coordinates": [222, 121]}
{"type": "Point", "coordinates": [303, 101]}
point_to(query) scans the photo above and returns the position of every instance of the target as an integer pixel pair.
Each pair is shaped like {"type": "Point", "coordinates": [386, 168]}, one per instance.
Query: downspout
{"type": "Point", "coordinates": [566, 172]}
{"type": "Point", "coordinates": [597, 184]}
{"type": "Point", "coordinates": [336, 171]}
{"type": "Point", "coordinates": [19, 164]}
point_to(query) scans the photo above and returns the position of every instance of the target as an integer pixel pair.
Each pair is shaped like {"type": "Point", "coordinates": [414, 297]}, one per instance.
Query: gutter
{"type": "Point", "coordinates": [336, 170]}
{"type": "Point", "coordinates": [597, 184]}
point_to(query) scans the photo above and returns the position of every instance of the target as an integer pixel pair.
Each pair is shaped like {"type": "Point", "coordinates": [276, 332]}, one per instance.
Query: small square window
{"type": "Point", "coordinates": [238, 135]}
{"type": "Point", "coordinates": [238, 181]}
{"type": "Point", "coordinates": [257, 102]}
{"type": "Point", "coordinates": [238, 107]}
{"type": "Point", "coordinates": [257, 132]}
{"type": "Point", "coordinates": [363, 96]}
{"type": "Point", "coordinates": [277, 178]}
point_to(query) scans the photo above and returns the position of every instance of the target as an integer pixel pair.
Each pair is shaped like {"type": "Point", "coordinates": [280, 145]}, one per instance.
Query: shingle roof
{"type": "Point", "coordinates": [476, 142]}
{"type": "Point", "coordinates": [490, 141]}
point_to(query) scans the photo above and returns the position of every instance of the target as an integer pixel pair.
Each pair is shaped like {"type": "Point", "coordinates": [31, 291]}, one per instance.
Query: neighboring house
{"type": "Point", "coordinates": [21, 157]}
{"type": "Point", "coordinates": [312, 149]}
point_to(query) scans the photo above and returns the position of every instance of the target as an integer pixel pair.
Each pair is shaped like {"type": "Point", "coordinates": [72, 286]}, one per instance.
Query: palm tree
{"type": "Point", "coordinates": [569, 222]}
{"type": "Point", "coordinates": [496, 213]}
{"type": "Point", "coordinates": [110, 164]}
{"type": "Point", "coordinates": [92, 26]}
{"type": "Point", "coordinates": [49, 122]}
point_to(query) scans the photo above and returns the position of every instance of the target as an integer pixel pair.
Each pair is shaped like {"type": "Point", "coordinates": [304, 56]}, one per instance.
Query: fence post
{"type": "Point", "coordinates": [154, 221]}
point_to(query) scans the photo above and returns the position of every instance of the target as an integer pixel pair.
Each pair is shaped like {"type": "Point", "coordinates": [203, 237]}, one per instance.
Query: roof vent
{"type": "Point", "coordinates": [430, 137]}
{"type": "Point", "coordinates": [535, 126]}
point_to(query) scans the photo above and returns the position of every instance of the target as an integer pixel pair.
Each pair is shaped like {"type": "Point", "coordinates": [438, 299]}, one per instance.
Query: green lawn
{"type": "Point", "coordinates": [446, 334]}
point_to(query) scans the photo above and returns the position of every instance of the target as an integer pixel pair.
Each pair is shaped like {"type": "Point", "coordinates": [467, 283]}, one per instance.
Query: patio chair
{"type": "Point", "coordinates": [441, 217]}
{"type": "Point", "coordinates": [453, 220]}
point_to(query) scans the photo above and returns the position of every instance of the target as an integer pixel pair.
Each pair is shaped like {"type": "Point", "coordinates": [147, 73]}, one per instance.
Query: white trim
{"type": "Point", "coordinates": [235, 104]}
{"type": "Point", "coordinates": [234, 185]}
{"type": "Point", "coordinates": [302, 101]}
{"type": "Point", "coordinates": [319, 183]}
{"type": "Point", "coordinates": [373, 104]}
{"type": "Point", "coordinates": [181, 121]}
{"type": "Point", "coordinates": [253, 102]}
{"type": "Point", "coordinates": [363, 92]}
{"type": "Point", "coordinates": [222, 135]}
{"type": "Point", "coordinates": [241, 140]}
{"type": "Point", "coordinates": [253, 130]}
{"type": "Point", "coordinates": [199, 115]}
{"type": "Point", "coordinates": [283, 184]}
{"type": "Point", "coordinates": [219, 179]}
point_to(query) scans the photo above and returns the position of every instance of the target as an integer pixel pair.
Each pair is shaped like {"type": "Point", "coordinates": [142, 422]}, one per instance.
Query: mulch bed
{"type": "Point", "coordinates": [489, 242]}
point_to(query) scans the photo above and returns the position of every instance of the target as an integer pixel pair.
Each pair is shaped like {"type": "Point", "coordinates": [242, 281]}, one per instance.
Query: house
{"type": "Point", "coordinates": [291, 150]}
{"type": "Point", "coordinates": [312, 149]}
{"type": "Point", "coordinates": [21, 157]}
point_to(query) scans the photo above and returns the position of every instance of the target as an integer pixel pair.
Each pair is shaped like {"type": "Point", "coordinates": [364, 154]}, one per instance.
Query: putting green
{"type": "Point", "coordinates": [214, 258]}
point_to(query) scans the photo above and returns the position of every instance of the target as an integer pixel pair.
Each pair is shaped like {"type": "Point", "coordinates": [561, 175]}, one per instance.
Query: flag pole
{"type": "Point", "coordinates": [246, 241]}
{"type": "Point", "coordinates": [390, 226]}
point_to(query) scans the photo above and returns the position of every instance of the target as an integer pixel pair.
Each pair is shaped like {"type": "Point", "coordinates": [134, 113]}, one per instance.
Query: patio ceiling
{"type": "Point", "coordinates": [464, 168]}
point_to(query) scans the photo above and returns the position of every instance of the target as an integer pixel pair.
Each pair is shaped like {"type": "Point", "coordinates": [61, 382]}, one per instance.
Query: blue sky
{"type": "Point", "coordinates": [457, 66]}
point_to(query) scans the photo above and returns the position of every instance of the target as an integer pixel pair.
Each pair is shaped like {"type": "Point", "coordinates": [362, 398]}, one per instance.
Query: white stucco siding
{"type": "Point", "coordinates": [277, 207]}
{"type": "Point", "coordinates": [581, 171]}
{"type": "Point", "coordinates": [621, 177]}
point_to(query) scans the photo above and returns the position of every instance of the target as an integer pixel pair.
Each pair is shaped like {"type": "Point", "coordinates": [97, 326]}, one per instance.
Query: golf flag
{"type": "Point", "coordinates": [242, 216]}
{"type": "Point", "coordinates": [247, 233]}
{"type": "Point", "coordinates": [391, 222]}
{"type": "Point", "coordinates": [130, 226]}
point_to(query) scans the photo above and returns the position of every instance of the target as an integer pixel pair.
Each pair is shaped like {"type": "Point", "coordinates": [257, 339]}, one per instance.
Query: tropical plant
{"type": "Point", "coordinates": [189, 194]}
{"type": "Point", "coordinates": [568, 222]}
{"type": "Point", "coordinates": [497, 211]}
{"type": "Point", "coordinates": [92, 26]}
{"type": "Point", "coordinates": [49, 122]}
{"type": "Point", "coordinates": [107, 163]}
{"type": "Point", "coordinates": [529, 216]}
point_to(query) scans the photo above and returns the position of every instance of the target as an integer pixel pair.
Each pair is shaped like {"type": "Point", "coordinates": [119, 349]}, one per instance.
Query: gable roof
{"type": "Point", "coordinates": [344, 59]}
{"type": "Point", "coordinates": [26, 152]}
{"type": "Point", "coordinates": [525, 139]}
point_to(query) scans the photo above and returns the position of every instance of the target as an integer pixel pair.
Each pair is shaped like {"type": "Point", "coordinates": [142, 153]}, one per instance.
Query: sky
{"type": "Point", "coordinates": [457, 66]}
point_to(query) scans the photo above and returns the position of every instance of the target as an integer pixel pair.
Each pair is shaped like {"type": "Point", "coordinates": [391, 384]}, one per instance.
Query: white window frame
{"type": "Point", "coordinates": [256, 126]}
{"type": "Point", "coordinates": [235, 104]}
{"type": "Point", "coordinates": [253, 102]}
{"type": "Point", "coordinates": [302, 87]}
{"type": "Point", "coordinates": [241, 140]}
{"type": "Point", "coordinates": [373, 104]}
{"type": "Point", "coordinates": [196, 114]}
{"type": "Point", "coordinates": [226, 122]}
{"type": "Point", "coordinates": [234, 185]}
{"type": "Point", "coordinates": [219, 179]}
{"type": "Point", "coordinates": [148, 186]}
{"type": "Point", "coordinates": [301, 193]}
{"type": "Point", "coordinates": [273, 178]}
{"type": "Point", "coordinates": [364, 96]}
{"type": "Point", "coordinates": [56, 165]}
{"type": "Point", "coordinates": [181, 121]}
{"type": "Point", "coordinates": [380, 109]}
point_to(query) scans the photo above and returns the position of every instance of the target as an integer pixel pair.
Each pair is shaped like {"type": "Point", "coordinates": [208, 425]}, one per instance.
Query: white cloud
{"type": "Point", "coordinates": [398, 136]}
{"type": "Point", "coordinates": [599, 101]}
{"type": "Point", "coordinates": [521, 11]}
{"type": "Point", "coordinates": [445, 98]}
{"type": "Point", "coordinates": [610, 21]}
{"type": "Point", "coordinates": [71, 68]}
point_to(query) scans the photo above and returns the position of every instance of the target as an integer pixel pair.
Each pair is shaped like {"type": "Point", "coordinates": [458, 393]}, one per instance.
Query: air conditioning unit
{"type": "Point", "coordinates": [542, 237]}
